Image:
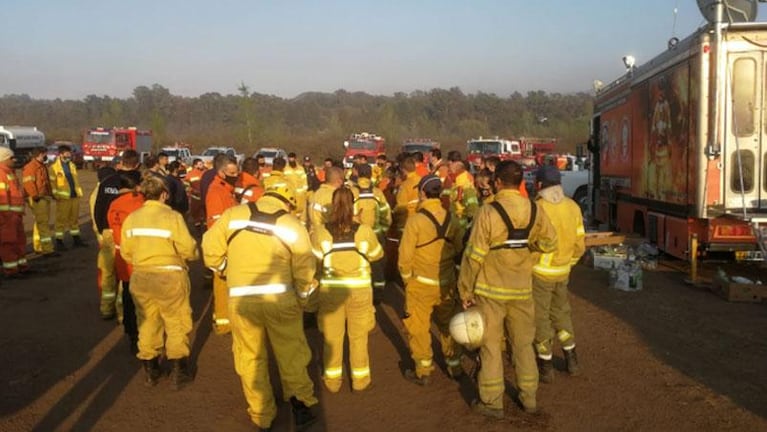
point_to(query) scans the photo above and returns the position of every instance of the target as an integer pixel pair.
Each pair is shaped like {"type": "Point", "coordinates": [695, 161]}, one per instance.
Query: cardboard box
{"type": "Point", "coordinates": [738, 292]}
{"type": "Point", "coordinates": [606, 262]}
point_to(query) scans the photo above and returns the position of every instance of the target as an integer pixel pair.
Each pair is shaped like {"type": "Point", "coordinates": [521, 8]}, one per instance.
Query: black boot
{"type": "Point", "coordinates": [302, 416]}
{"type": "Point", "coordinates": [60, 246]}
{"type": "Point", "coordinates": [152, 371]}
{"type": "Point", "coordinates": [571, 359]}
{"type": "Point", "coordinates": [180, 375]}
{"type": "Point", "coordinates": [545, 370]}
{"type": "Point", "coordinates": [78, 241]}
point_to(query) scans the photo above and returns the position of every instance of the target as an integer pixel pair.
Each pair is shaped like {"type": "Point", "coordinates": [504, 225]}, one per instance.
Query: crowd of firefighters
{"type": "Point", "coordinates": [290, 245]}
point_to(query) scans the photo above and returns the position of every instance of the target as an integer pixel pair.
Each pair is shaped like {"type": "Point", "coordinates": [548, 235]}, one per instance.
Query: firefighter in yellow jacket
{"type": "Point", "coordinates": [157, 243]}
{"type": "Point", "coordinates": [266, 290]}
{"type": "Point", "coordinates": [427, 250]}
{"type": "Point", "coordinates": [464, 202]}
{"type": "Point", "coordinates": [67, 193]}
{"type": "Point", "coordinates": [407, 195]}
{"type": "Point", "coordinates": [319, 204]}
{"type": "Point", "coordinates": [496, 275]}
{"type": "Point", "coordinates": [551, 274]}
{"type": "Point", "coordinates": [346, 250]}
{"type": "Point", "coordinates": [372, 209]}
{"type": "Point", "coordinates": [297, 175]}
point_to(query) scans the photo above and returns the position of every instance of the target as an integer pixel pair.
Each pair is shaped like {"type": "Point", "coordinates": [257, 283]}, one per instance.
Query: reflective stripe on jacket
{"type": "Point", "coordinates": [371, 207]}
{"type": "Point", "coordinates": [432, 264]}
{"type": "Point", "coordinates": [11, 195]}
{"type": "Point", "coordinates": [566, 217]}
{"type": "Point", "coordinates": [59, 182]}
{"type": "Point", "coordinates": [280, 254]}
{"type": "Point", "coordinates": [35, 180]}
{"type": "Point", "coordinates": [503, 274]}
{"type": "Point", "coordinates": [346, 264]}
{"type": "Point", "coordinates": [156, 236]}
{"type": "Point", "coordinates": [319, 205]}
{"type": "Point", "coordinates": [407, 200]}
{"type": "Point", "coordinates": [218, 198]}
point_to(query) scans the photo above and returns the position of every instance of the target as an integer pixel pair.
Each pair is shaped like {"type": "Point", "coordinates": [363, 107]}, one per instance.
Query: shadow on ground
{"type": "Point", "coordinates": [721, 345]}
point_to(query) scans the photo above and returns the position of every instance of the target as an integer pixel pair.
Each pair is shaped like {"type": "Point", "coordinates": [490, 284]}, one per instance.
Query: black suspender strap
{"type": "Point", "coordinates": [261, 217]}
{"type": "Point", "coordinates": [441, 229]}
{"type": "Point", "coordinates": [516, 238]}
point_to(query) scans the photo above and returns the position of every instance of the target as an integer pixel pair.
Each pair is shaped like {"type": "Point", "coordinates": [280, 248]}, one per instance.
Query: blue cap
{"type": "Point", "coordinates": [430, 184]}
{"type": "Point", "coordinates": [548, 174]}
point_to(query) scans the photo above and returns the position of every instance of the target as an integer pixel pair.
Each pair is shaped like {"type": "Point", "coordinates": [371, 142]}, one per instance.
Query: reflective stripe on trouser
{"type": "Point", "coordinates": [377, 273]}
{"type": "Point", "coordinates": [220, 305]}
{"type": "Point", "coordinates": [280, 317]}
{"type": "Point", "coordinates": [422, 303]}
{"type": "Point", "coordinates": [42, 242]}
{"type": "Point", "coordinates": [162, 307]}
{"type": "Point", "coordinates": [339, 309]}
{"type": "Point", "coordinates": [67, 211]}
{"type": "Point", "coordinates": [378, 268]}
{"type": "Point", "coordinates": [519, 317]}
{"type": "Point", "coordinates": [13, 243]}
{"type": "Point", "coordinates": [106, 279]}
{"type": "Point", "coordinates": [552, 313]}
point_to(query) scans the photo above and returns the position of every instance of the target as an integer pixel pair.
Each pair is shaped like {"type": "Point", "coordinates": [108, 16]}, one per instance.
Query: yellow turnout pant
{"type": "Point", "coordinates": [42, 241]}
{"type": "Point", "coordinates": [220, 305]}
{"type": "Point", "coordinates": [277, 318]}
{"type": "Point", "coordinates": [106, 279]}
{"type": "Point", "coordinates": [423, 301]}
{"type": "Point", "coordinates": [552, 314]}
{"type": "Point", "coordinates": [342, 309]}
{"type": "Point", "coordinates": [518, 316]}
{"type": "Point", "coordinates": [67, 211]}
{"type": "Point", "coordinates": [162, 307]}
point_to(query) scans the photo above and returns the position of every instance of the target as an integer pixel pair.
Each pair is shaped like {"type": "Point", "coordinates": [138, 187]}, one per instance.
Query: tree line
{"type": "Point", "coordinates": [312, 123]}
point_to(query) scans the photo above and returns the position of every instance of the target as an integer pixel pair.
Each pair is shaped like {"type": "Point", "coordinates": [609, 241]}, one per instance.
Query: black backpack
{"type": "Point", "coordinates": [517, 238]}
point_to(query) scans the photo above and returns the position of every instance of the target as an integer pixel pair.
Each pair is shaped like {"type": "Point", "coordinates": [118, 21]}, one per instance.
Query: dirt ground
{"type": "Point", "coordinates": [669, 357]}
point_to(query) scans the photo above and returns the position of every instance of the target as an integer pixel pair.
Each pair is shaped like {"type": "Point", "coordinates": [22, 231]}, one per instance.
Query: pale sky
{"type": "Point", "coordinates": [71, 48]}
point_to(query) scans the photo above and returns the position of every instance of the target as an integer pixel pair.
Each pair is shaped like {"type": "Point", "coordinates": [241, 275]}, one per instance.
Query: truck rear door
{"type": "Point", "coordinates": [745, 160]}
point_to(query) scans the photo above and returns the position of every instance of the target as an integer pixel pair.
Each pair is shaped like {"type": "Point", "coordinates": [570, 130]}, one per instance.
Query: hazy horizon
{"type": "Point", "coordinates": [69, 50]}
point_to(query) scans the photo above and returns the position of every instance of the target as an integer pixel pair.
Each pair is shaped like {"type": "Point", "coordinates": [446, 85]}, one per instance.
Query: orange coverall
{"type": "Point", "coordinates": [12, 240]}
{"type": "Point", "coordinates": [220, 196]}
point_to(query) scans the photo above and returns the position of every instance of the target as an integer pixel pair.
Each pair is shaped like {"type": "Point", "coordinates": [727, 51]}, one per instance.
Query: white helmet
{"type": "Point", "coordinates": [468, 328]}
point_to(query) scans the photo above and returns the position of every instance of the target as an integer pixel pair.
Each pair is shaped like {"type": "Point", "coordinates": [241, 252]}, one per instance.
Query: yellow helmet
{"type": "Point", "coordinates": [284, 194]}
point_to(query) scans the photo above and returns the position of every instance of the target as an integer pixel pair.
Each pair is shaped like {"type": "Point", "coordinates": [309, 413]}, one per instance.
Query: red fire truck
{"type": "Point", "coordinates": [102, 145]}
{"type": "Point", "coordinates": [363, 143]}
{"type": "Point", "coordinates": [679, 144]}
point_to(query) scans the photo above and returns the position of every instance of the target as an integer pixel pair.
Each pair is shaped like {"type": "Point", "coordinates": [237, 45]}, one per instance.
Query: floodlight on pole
{"type": "Point", "coordinates": [629, 61]}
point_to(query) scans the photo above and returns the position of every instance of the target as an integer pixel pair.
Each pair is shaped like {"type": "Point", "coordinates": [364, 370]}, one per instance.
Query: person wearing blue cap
{"type": "Point", "coordinates": [430, 242]}
{"type": "Point", "coordinates": [551, 274]}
